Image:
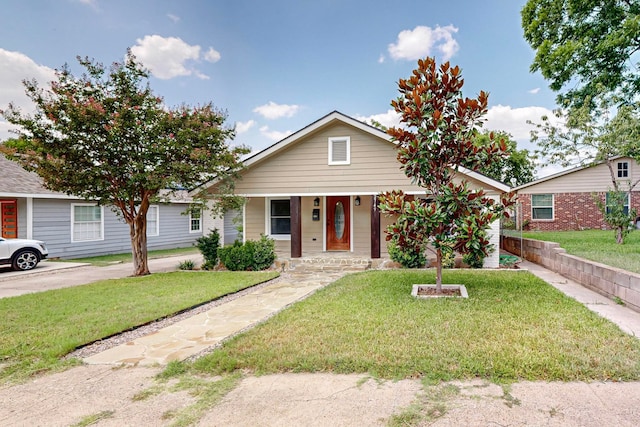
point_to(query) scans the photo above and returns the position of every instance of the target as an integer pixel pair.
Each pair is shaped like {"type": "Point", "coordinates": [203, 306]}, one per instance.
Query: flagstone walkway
{"type": "Point", "coordinates": [206, 330]}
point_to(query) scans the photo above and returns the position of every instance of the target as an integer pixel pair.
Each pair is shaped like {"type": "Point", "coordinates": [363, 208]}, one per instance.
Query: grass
{"type": "Point", "coordinates": [104, 260]}
{"type": "Point", "coordinates": [94, 419]}
{"type": "Point", "coordinates": [38, 329]}
{"type": "Point", "coordinates": [513, 327]}
{"type": "Point", "coordinates": [596, 245]}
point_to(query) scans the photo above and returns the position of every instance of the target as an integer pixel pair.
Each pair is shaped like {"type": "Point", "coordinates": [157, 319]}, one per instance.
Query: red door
{"type": "Point", "coordinates": [9, 218]}
{"type": "Point", "coordinates": [338, 223]}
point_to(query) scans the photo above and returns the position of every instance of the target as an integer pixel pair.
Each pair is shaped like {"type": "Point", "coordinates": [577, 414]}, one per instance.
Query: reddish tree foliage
{"type": "Point", "coordinates": [436, 144]}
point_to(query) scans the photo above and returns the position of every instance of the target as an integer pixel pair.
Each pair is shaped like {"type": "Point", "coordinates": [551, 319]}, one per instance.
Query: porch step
{"type": "Point", "coordinates": [328, 264]}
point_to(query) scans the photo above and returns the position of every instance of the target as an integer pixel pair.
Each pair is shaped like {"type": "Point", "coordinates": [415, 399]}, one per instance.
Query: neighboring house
{"type": "Point", "coordinates": [74, 228]}
{"type": "Point", "coordinates": [314, 192]}
{"type": "Point", "coordinates": [565, 201]}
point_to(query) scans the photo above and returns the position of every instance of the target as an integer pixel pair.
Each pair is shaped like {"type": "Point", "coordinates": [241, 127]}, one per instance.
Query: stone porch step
{"type": "Point", "coordinates": [322, 263]}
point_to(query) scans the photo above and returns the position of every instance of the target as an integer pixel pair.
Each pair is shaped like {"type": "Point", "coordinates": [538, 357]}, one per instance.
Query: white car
{"type": "Point", "coordinates": [22, 254]}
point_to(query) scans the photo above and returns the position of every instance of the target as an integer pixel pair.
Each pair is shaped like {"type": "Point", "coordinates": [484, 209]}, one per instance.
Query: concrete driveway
{"type": "Point", "coordinates": [56, 274]}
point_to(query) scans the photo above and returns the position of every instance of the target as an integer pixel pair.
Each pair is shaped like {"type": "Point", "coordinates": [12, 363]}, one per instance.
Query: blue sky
{"type": "Point", "coordinates": [276, 66]}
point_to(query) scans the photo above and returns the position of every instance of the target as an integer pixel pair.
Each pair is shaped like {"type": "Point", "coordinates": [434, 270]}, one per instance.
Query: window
{"type": "Point", "coordinates": [340, 151]}
{"type": "Point", "coordinates": [195, 221]}
{"type": "Point", "coordinates": [86, 223]}
{"type": "Point", "coordinates": [280, 218]}
{"type": "Point", "coordinates": [542, 206]}
{"type": "Point", "coordinates": [610, 200]}
{"type": "Point", "coordinates": [153, 223]}
{"type": "Point", "coordinates": [623, 170]}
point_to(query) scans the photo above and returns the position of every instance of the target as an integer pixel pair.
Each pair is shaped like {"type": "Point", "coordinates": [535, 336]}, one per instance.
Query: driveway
{"type": "Point", "coordinates": [56, 274]}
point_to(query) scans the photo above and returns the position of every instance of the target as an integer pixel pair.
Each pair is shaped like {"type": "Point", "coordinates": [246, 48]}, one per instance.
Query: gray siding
{"type": "Point", "coordinates": [230, 227]}
{"type": "Point", "coordinates": [52, 224]}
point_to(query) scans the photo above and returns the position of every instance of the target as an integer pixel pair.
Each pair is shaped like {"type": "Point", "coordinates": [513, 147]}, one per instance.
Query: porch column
{"type": "Point", "coordinates": [296, 227]}
{"type": "Point", "coordinates": [375, 227]}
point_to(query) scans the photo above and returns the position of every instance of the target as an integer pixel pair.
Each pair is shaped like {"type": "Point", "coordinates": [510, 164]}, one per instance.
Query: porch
{"type": "Point", "coordinates": [326, 229]}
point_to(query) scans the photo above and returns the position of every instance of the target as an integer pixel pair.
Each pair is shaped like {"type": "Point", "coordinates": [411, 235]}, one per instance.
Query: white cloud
{"type": "Point", "coordinates": [276, 111]}
{"type": "Point", "coordinates": [274, 135]}
{"type": "Point", "coordinates": [388, 119]}
{"type": "Point", "coordinates": [381, 59]}
{"type": "Point", "coordinates": [514, 120]}
{"type": "Point", "coordinates": [14, 68]}
{"type": "Point", "coordinates": [212, 55]}
{"type": "Point", "coordinates": [421, 41]}
{"type": "Point", "coordinates": [168, 57]}
{"type": "Point", "coordinates": [534, 91]}
{"type": "Point", "coordinates": [242, 127]}
{"type": "Point", "coordinates": [92, 3]}
{"type": "Point", "coordinates": [174, 18]}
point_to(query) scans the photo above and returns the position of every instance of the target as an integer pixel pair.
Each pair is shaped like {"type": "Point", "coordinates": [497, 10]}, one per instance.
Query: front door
{"type": "Point", "coordinates": [9, 218]}
{"type": "Point", "coordinates": [338, 221]}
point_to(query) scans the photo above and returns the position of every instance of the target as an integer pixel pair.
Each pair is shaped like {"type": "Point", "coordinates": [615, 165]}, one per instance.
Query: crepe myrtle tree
{"type": "Point", "coordinates": [105, 136]}
{"type": "Point", "coordinates": [435, 142]}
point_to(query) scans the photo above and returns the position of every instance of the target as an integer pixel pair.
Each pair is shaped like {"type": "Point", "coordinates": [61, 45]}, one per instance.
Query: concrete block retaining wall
{"type": "Point", "coordinates": [609, 281]}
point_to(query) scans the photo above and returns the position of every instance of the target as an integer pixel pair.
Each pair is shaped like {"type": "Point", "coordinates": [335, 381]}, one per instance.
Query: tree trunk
{"type": "Point", "coordinates": [138, 233]}
{"type": "Point", "coordinates": [619, 238]}
{"type": "Point", "coordinates": [438, 271]}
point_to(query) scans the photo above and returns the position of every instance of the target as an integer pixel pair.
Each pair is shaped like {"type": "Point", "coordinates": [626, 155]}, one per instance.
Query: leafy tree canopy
{"type": "Point", "coordinates": [585, 46]}
{"type": "Point", "coordinates": [105, 136]}
{"type": "Point", "coordinates": [515, 169]}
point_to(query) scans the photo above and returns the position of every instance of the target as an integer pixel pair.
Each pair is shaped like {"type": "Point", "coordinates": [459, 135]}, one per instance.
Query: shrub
{"type": "Point", "coordinates": [410, 257]}
{"type": "Point", "coordinates": [209, 246]}
{"type": "Point", "coordinates": [448, 259]}
{"type": "Point", "coordinates": [473, 260]}
{"type": "Point", "coordinates": [264, 253]}
{"type": "Point", "coordinates": [187, 265]}
{"type": "Point", "coordinates": [252, 255]}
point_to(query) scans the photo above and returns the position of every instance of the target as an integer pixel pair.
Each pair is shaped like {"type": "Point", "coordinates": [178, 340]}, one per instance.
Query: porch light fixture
{"type": "Point", "coordinates": [357, 203]}
{"type": "Point", "coordinates": [316, 201]}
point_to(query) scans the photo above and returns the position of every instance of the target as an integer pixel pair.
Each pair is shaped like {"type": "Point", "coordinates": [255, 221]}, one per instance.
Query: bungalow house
{"type": "Point", "coordinates": [73, 227]}
{"type": "Point", "coordinates": [565, 200]}
{"type": "Point", "coordinates": [314, 192]}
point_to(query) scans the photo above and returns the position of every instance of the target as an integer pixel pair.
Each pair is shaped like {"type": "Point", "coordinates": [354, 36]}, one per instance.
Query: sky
{"type": "Point", "coordinates": [276, 66]}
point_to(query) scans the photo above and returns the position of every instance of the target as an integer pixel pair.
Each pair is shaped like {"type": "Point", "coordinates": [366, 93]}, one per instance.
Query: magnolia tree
{"type": "Point", "coordinates": [106, 137]}
{"type": "Point", "coordinates": [436, 142]}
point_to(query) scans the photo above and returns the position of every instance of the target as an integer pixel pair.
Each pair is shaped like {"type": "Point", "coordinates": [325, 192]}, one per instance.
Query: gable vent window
{"type": "Point", "coordinates": [623, 170]}
{"type": "Point", "coordinates": [340, 151]}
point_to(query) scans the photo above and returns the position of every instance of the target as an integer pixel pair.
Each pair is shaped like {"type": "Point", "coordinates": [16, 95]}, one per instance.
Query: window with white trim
{"type": "Point", "coordinates": [195, 221]}
{"type": "Point", "coordinates": [279, 218]}
{"type": "Point", "coordinates": [340, 150]}
{"type": "Point", "coordinates": [153, 221]}
{"type": "Point", "coordinates": [87, 223]}
{"type": "Point", "coordinates": [623, 169]}
{"type": "Point", "coordinates": [542, 206]}
{"type": "Point", "coordinates": [610, 200]}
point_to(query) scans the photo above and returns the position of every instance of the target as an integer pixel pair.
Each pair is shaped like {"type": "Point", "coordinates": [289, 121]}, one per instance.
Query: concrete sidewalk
{"type": "Point", "coordinates": [628, 320]}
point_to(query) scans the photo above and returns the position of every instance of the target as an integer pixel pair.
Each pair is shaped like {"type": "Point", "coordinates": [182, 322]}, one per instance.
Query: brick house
{"type": "Point", "coordinates": [565, 201]}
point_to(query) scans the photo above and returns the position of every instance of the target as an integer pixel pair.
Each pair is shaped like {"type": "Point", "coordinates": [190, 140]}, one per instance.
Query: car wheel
{"type": "Point", "coordinates": [25, 260]}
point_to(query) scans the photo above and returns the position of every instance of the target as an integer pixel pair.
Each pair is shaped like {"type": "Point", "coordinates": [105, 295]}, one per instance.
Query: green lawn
{"type": "Point", "coordinates": [596, 245]}
{"type": "Point", "coordinates": [104, 260]}
{"type": "Point", "coordinates": [514, 326]}
{"type": "Point", "coordinates": [37, 329]}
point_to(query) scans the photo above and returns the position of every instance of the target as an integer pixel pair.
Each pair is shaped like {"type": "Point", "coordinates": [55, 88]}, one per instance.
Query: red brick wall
{"type": "Point", "coordinates": [571, 211]}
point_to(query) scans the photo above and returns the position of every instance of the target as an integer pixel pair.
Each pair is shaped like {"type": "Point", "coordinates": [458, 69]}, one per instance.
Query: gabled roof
{"type": "Point", "coordinates": [566, 172]}
{"type": "Point", "coordinates": [318, 124]}
{"type": "Point", "coordinates": [15, 181]}
{"type": "Point", "coordinates": [336, 116]}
